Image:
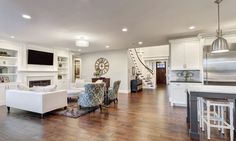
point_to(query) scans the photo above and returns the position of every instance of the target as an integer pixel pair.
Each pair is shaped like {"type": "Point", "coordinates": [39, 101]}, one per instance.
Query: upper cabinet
{"type": "Point", "coordinates": [185, 54]}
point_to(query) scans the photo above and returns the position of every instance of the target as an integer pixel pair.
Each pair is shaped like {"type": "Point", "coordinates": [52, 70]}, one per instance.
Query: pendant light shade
{"type": "Point", "coordinates": [220, 44]}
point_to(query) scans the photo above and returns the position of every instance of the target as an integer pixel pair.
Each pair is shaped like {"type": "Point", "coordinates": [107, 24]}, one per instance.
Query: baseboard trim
{"type": "Point", "coordinates": [180, 104]}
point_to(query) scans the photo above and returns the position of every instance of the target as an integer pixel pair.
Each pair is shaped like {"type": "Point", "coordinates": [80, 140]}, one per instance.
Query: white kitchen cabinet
{"type": "Point", "coordinates": [192, 55]}
{"type": "Point", "coordinates": [185, 54]}
{"type": "Point", "coordinates": [178, 93]}
{"type": "Point", "coordinates": [177, 56]}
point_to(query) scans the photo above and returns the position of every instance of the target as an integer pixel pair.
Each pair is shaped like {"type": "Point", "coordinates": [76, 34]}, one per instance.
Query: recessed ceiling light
{"type": "Point", "coordinates": [107, 46]}
{"type": "Point", "coordinates": [192, 27]}
{"type": "Point", "coordinates": [124, 29]}
{"type": "Point", "coordinates": [12, 37]}
{"type": "Point", "coordinates": [79, 50]}
{"type": "Point", "coordinates": [26, 16]}
{"type": "Point", "coordinates": [140, 43]}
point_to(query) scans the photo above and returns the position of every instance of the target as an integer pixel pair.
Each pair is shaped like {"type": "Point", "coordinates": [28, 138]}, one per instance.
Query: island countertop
{"type": "Point", "coordinates": [213, 89]}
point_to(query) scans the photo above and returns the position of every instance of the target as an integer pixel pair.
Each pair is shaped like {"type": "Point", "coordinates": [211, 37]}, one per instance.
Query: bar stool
{"type": "Point", "coordinates": [215, 118]}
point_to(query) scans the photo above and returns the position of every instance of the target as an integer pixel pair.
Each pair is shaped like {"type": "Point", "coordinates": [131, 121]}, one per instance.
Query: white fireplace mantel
{"type": "Point", "coordinates": [37, 71]}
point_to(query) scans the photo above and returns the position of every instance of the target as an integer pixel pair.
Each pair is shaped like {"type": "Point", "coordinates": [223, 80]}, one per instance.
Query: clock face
{"type": "Point", "coordinates": [102, 65]}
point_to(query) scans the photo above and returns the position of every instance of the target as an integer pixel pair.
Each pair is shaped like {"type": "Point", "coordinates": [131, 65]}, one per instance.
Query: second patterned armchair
{"type": "Point", "coordinates": [113, 92]}
{"type": "Point", "coordinates": [93, 95]}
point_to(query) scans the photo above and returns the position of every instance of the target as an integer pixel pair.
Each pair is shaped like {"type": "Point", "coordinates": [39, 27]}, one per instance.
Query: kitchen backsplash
{"type": "Point", "coordinates": [185, 75]}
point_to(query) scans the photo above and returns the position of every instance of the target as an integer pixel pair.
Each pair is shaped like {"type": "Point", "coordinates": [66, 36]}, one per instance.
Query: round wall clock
{"type": "Point", "coordinates": [102, 65]}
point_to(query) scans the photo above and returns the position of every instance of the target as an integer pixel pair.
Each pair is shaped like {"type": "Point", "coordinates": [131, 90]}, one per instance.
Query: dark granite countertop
{"type": "Point", "coordinates": [183, 81]}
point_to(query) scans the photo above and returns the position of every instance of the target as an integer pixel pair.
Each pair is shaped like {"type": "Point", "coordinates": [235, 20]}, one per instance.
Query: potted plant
{"type": "Point", "coordinates": [97, 73]}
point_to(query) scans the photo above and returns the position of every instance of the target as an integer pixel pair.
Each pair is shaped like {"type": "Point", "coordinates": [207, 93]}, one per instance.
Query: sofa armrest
{"type": "Point", "coordinates": [54, 100]}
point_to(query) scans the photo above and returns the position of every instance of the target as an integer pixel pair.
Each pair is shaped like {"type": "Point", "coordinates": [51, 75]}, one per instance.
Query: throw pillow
{"type": "Point", "coordinates": [48, 88]}
{"type": "Point", "coordinates": [99, 81]}
{"type": "Point", "coordinates": [23, 87]}
{"type": "Point", "coordinates": [79, 83]}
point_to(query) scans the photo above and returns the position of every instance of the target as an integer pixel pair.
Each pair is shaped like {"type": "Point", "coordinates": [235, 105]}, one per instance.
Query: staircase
{"type": "Point", "coordinates": [142, 70]}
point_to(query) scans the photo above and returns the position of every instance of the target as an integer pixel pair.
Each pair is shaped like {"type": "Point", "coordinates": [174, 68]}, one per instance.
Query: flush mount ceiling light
{"type": "Point", "coordinates": [124, 29]}
{"type": "Point", "coordinates": [25, 16]}
{"type": "Point", "coordinates": [79, 50]}
{"type": "Point", "coordinates": [107, 46]}
{"type": "Point", "coordinates": [12, 37]}
{"type": "Point", "coordinates": [220, 44]}
{"type": "Point", "coordinates": [192, 27]}
{"type": "Point", "coordinates": [82, 42]}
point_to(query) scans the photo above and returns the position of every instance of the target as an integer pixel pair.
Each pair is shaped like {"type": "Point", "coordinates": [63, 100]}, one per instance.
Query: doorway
{"type": "Point", "coordinates": [160, 73]}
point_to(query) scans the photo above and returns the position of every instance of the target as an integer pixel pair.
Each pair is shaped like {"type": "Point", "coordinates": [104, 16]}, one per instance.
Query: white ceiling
{"type": "Point", "coordinates": [56, 22]}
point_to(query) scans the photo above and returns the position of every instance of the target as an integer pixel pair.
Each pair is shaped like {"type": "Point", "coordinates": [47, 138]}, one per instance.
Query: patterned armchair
{"type": "Point", "coordinates": [93, 95]}
{"type": "Point", "coordinates": [113, 92]}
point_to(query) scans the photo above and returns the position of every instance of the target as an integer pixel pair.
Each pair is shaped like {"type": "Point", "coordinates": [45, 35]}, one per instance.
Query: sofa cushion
{"type": "Point", "coordinates": [79, 83]}
{"type": "Point", "coordinates": [48, 88]}
{"type": "Point", "coordinates": [99, 81]}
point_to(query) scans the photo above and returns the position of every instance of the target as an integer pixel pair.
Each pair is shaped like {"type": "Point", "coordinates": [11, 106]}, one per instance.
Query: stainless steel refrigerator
{"type": "Point", "coordinates": [220, 68]}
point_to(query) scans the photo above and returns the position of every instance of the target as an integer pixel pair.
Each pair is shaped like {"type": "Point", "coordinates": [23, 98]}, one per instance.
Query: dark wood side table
{"type": "Point", "coordinates": [136, 85]}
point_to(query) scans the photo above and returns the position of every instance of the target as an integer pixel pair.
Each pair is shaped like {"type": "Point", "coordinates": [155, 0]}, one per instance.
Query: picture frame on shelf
{"type": "Point", "coordinates": [1, 79]}
{"type": "Point", "coordinates": [133, 71]}
{"type": "Point", "coordinates": [6, 79]}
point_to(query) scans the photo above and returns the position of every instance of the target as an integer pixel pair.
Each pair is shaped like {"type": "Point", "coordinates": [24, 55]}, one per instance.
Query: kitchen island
{"type": "Point", "coordinates": [205, 91]}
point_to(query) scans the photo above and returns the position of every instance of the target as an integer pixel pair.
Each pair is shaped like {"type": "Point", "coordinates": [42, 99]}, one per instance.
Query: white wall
{"type": "Point", "coordinates": [118, 67]}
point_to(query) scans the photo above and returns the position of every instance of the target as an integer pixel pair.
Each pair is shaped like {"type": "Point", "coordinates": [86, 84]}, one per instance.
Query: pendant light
{"type": "Point", "coordinates": [220, 44]}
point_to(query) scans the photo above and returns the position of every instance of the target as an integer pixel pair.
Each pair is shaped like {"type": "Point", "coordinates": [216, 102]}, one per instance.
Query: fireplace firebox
{"type": "Point", "coordinates": [39, 83]}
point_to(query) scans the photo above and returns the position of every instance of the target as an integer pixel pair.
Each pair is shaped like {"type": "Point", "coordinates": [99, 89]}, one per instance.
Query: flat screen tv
{"type": "Point", "coordinates": [39, 57]}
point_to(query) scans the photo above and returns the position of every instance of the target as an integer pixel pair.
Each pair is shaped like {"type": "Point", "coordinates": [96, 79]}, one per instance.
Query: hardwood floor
{"type": "Point", "coordinates": [145, 116]}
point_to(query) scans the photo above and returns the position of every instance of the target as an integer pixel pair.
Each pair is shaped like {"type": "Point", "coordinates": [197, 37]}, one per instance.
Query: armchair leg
{"type": "Point", "coordinates": [100, 107]}
{"type": "Point", "coordinates": [8, 109]}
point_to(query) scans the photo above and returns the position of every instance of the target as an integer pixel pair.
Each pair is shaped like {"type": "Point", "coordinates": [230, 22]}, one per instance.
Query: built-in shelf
{"type": "Point", "coordinates": [63, 73]}
{"type": "Point", "coordinates": [53, 71]}
{"type": "Point", "coordinates": [62, 68]}
{"type": "Point", "coordinates": [8, 57]}
{"type": "Point", "coordinates": [6, 74]}
{"type": "Point", "coordinates": [62, 62]}
{"type": "Point", "coordinates": [8, 65]}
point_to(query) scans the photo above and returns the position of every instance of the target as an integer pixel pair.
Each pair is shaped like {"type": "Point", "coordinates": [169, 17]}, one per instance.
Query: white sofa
{"type": "Point", "coordinates": [38, 102]}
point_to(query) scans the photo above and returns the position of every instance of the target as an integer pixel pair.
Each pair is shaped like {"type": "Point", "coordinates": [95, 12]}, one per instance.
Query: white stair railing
{"type": "Point", "coordinates": [145, 73]}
